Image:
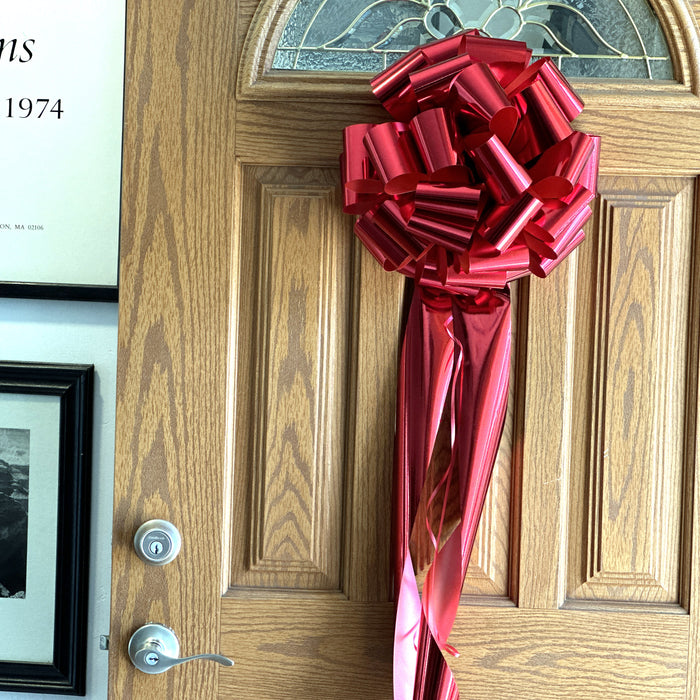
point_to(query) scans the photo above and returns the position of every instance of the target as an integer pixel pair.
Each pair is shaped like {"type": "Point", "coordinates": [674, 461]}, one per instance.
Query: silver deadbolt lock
{"type": "Point", "coordinates": [157, 542]}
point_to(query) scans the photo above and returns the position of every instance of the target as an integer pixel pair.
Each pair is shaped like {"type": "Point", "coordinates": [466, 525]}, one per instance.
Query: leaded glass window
{"type": "Point", "coordinates": [602, 38]}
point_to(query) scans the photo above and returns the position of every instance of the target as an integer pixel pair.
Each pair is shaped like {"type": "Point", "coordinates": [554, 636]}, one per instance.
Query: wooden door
{"type": "Point", "coordinates": [257, 359]}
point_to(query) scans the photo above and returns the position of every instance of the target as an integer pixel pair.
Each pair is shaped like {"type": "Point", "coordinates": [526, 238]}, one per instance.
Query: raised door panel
{"type": "Point", "coordinates": [294, 319]}
{"type": "Point", "coordinates": [633, 398]}
{"type": "Point", "coordinates": [311, 457]}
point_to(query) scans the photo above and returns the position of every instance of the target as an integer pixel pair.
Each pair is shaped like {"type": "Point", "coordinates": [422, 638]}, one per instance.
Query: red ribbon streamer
{"type": "Point", "coordinates": [480, 180]}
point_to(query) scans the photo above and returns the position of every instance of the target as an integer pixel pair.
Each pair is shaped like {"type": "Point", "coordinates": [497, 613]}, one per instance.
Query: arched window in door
{"type": "Point", "coordinates": [593, 38]}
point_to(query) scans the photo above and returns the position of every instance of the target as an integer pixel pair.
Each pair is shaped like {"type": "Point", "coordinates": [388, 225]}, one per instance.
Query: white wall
{"type": "Point", "coordinates": [86, 333]}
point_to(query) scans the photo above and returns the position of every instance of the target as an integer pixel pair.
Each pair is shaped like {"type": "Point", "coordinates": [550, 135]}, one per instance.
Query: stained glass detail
{"type": "Point", "coordinates": [586, 38]}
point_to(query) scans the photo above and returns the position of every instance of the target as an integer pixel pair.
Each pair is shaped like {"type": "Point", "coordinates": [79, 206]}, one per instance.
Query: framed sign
{"type": "Point", "coordinates": [61, 97]}
{"type": "Point", "coordinates": [45, 451]}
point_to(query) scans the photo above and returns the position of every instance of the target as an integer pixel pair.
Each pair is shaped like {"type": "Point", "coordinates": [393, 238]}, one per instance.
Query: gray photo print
{"type": "Point", "coordinates": [14, 503]}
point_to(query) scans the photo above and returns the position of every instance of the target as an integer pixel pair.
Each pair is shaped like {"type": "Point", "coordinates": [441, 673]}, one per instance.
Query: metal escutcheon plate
{"type": "Point", "coordinates": [153, 632]}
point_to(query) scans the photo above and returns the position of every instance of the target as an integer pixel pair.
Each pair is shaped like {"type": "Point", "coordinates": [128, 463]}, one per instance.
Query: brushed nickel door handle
{"type": "Point", "coordinates": [155, 648]}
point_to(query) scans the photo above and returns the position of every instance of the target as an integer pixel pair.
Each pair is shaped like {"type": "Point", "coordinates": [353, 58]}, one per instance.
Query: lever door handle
{"type": "Point", "coordinates": [155, 648]}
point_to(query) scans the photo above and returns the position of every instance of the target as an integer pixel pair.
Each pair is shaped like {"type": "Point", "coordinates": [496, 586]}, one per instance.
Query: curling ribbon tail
{"type": "Point", "coordinates": [449, 350]}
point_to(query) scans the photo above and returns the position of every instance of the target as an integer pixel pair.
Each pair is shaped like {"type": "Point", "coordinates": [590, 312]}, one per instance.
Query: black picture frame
{"type": "Point", "coordinates": [73, 385]}
{"type": "Point", "coordinates": [60, 292]}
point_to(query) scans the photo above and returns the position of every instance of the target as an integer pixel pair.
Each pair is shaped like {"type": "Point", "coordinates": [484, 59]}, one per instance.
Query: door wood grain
{"type": "Point", "coordinates": [258, 347]}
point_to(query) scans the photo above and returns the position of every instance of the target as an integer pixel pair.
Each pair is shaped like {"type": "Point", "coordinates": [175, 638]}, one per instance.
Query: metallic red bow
{"type": "Point", "coordinates": [479, 181]}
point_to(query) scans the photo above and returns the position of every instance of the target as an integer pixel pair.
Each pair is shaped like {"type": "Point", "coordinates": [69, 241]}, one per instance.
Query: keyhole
{"type": "Point", "coordinates": [152, 658]}
{"type": "Point", "coordinates": [156, 547]}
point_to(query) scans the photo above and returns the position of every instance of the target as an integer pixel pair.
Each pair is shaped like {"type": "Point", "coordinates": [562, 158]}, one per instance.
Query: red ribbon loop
{"type": "Point", "coordinates": [434, 137]}
{"type": "Point", "coordinates": [394, 156]}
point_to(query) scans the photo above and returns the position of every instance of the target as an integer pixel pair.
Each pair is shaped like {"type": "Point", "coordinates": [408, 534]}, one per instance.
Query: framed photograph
{"type": "Point", "coordinates": [61, 105]}
{"type": "Point", "coordinates": [45, 453]}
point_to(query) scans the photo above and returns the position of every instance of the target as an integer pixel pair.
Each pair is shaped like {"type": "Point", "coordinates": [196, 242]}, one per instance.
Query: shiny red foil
{"type": "Point", "coordinates": [479, 180]}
